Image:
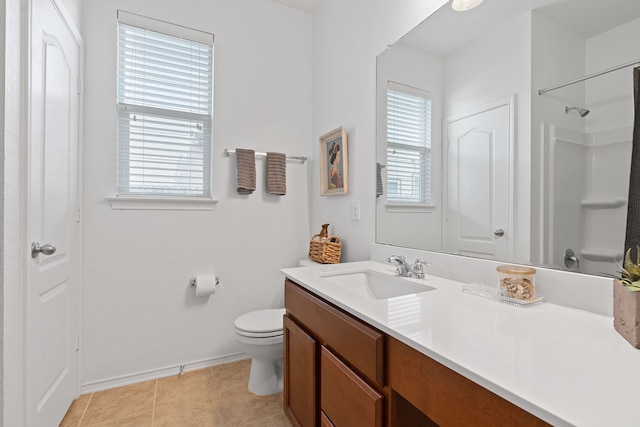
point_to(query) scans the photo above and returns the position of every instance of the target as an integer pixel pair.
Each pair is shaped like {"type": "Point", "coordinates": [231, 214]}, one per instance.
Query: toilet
{"type": "Point", "coordinates": [260, 336]}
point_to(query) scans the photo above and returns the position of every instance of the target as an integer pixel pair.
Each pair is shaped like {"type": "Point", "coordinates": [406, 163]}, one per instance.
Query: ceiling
{"type": "Point", "coordinates": [304, 5]}
{"type": "Point", "coordinates": [584, 17]}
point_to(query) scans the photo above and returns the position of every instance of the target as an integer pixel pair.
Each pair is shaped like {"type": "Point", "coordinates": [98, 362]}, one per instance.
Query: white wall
{"type": "Point", "coordinates": [348, 35]}
{"type": "Point", "coordinates": [411, 227]}
{"type": "Point", "coordinates": [481, 73]}
{"type": "Point", "coordinates": [558, 56]}
{"type": "Point", "coordinates": [135, 285]}
{"type": "Point", "coordinates": [11, 278]}
{"type": "Point", "coordinates": [610, 96]}
{"type": "Point", "coordinates": [139, 313]}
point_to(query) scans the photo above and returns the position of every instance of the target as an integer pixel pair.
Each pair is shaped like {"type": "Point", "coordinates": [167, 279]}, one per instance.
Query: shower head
{"type": "Point", "coordinates": [582, 111]}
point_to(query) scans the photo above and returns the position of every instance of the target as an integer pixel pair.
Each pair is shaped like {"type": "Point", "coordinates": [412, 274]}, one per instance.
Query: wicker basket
{"type": "Point", "coordinates": [325, 251]}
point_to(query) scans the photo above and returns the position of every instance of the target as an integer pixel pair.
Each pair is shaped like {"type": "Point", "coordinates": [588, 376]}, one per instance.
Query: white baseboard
{"type": "Point", "coordinates": [154, 374]}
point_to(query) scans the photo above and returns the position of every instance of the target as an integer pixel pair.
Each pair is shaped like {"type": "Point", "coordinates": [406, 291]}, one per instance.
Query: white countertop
{"type": "Point", "coordinates": [564, 365]}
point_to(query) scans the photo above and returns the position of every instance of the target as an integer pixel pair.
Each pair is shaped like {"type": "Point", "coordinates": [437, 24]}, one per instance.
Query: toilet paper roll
{"type": "Point", "coordinates": [206, 284]}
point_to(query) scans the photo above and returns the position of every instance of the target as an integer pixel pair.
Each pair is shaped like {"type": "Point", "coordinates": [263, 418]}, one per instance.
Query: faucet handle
{"type": "Point", "coordinates": [417, 271]}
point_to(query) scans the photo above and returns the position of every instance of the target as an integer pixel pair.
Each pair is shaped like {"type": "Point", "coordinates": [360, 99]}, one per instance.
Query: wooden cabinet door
{"type": "Point", "coordinates": [300, 375]}
{"type": "Point", "coordinates": [444, 396]}
{"type": "Point", "coordinates": [345, 398]}
{"type": "Point", "coordinates": [325, 421]}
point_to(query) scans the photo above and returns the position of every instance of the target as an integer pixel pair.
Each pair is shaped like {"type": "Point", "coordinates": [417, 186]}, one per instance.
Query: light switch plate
{"type": "Point", "coordinates": [355, 210]}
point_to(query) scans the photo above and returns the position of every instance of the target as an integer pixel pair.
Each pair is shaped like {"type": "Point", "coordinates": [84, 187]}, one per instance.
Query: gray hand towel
{"type": "Point", "coordinates": [379, 187]}
{"type": "Point", "coordinates": [245, 171]}
{"type": "Point", "coordinates": [276, 173]}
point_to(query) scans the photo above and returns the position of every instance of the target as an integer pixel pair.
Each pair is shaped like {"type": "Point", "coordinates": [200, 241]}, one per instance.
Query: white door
{"type": "Point", "coordinates": [52, 304]}
{"type": "Point", "coordinates": [478, 197]}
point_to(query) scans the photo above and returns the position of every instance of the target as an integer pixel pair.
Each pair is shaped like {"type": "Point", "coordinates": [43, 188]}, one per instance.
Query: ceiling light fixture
{"type": "Point", "coordinates": [464, 5]}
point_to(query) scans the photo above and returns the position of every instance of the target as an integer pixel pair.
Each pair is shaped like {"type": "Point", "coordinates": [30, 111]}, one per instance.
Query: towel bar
{"type": "Point", "coordinates": [228, 152]}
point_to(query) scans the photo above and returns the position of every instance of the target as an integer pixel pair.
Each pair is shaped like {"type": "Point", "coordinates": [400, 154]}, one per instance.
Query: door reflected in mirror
{"type": "Point", "coordinates": [510, 174]}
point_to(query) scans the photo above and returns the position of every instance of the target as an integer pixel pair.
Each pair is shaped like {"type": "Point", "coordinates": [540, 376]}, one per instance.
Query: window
{"type": "Point", "coordinates": [408, 145]}
{"type": "Point", "coordinates": [165, 108]}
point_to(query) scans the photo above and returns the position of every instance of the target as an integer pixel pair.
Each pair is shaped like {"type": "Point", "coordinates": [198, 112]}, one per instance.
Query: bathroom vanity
{"type": "Point", "coordinates": [353, 388]}
{"type": "Point", "coordinates": [356, 356]}
{"type": "Point", "coordinates": [334, 364]}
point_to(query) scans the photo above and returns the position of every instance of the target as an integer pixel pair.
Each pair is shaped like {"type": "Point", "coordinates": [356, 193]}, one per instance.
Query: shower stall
{"type": "Point", "coordinates": [587, 177]}
{"type": "Point", "coordinates": [584, 153]}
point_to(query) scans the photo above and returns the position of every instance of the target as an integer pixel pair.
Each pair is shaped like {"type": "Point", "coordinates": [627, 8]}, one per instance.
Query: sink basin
{"type": "Point", "coordinates": [374, 284]}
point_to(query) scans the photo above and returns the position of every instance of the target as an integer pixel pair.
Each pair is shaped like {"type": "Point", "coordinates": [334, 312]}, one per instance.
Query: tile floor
{"type": "Point", "coordinates": [209, 397]}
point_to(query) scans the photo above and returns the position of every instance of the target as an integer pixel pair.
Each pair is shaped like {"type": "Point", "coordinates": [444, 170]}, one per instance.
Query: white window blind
{"type": "Point", "coordinates": [408, 145]}
{"type": "Point", "coordinates": [165, 108]}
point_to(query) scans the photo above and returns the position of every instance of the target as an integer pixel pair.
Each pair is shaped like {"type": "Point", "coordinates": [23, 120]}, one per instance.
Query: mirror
{"type": "Point", "coordinates": [502, 171]}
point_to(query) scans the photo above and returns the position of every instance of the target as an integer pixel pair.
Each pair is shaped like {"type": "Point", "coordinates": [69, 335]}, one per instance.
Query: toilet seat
{"type": "Point", "coordinates": [260, 323]}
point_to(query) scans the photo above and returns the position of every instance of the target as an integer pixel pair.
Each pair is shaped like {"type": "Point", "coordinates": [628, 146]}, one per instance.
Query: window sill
{"type": "Point", "coordinates": [161, 203]}
{"type": "Point", "coordinates": [413, 207]}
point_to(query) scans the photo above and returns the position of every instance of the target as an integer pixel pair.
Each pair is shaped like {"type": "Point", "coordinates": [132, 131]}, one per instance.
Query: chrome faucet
{"type": "Point", "coordinates": [404, 269]}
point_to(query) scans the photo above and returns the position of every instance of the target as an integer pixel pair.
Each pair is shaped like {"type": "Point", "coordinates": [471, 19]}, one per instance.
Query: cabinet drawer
{"type": "Point", "coordinates": [345, 398]}
{"type": "Point", "coordinates": [356, 342]}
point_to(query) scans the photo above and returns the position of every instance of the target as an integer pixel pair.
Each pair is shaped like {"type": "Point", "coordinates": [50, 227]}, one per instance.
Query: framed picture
{"type": "Point", "coordinates": [334, 163]}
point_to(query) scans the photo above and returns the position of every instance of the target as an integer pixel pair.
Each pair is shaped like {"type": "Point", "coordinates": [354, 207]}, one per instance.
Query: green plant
{"type": "Point", "coordinates": [631, 272]}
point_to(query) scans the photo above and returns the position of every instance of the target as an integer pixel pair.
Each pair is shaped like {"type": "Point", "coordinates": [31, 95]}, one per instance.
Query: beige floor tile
{"type": "Point", "coordinates": [279, 420]}
{"type": "Point", "coordinates": [241, 406]}
{"type": "Point", "coordinates": [138, 420]}
{"type": "Point", "coordinates": [231, 376]}
{"type": "Point", "coordinates": [190, 386]}
{"type": "Point", "coordinates": [189, 414]}
{"type": "Point", "coordinates": [211, 397]}
{"type": "Point", "coordinates": [121, 402]}
{"type": "Point", "coordinates": [75, 412]}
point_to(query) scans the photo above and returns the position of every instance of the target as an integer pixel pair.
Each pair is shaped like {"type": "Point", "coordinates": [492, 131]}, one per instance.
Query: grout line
{"type": "Point", "coordinates": [153, 410]}
{"type": "Point", "coordinates": [208, 371]}
{"type": "Point", "coordinates": [85, 410]}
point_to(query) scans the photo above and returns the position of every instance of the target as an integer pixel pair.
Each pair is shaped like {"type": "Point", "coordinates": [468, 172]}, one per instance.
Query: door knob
{"type": "Point", "coordinates": [45, 249]}
{"type": "Point", "coordinates": [499, 232]}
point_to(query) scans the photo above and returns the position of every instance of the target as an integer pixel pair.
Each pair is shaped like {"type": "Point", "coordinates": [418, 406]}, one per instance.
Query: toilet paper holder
{"type": "Point", "coordinates": [193, 281]}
